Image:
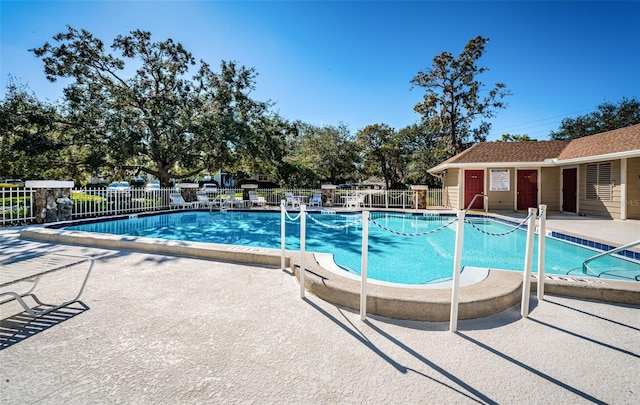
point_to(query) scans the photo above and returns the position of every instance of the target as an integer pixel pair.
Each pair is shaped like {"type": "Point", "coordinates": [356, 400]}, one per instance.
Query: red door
{"type": "Point", "coordinates": [473, 184]}
{"type": "Point", "coordinates": [569, 190]}
{"type": "Point", "coordinates": [527, 189]}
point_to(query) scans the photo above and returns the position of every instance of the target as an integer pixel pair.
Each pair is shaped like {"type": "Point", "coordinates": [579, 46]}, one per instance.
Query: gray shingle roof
{"type": "Point", "coordinates": [531, 151]}
{"type": "Point", "coordinates": [619, 140]}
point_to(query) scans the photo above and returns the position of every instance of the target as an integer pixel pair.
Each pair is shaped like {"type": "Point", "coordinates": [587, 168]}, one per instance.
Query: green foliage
{"type": "Point", "coordinates": [268, 148]}
{"type": "Point", "coordinates": [157, 120]}
{"type": "Point", "coordinates": [148, 106]}
{"type": "Point", "coordinates": [31, 137]}
{"type": "Point", "coordinates": [13, 204]}
{"type": "Point", "coordinates": [80, 197]}
{"type": "Point", "coordinates": [454, 101]}
{"type": "Point", "coordinates": [14, 201]}
{"type": "Point", "coordinates": [330, 151]}
{"type": "Point", "coordinates": [515, 138]}
{"type": "Point", "coordinates": [295, 175]}
{"type": "Point", "coordinates": [400, 157]}
{"type": "Point", "coordinates": [425, 154]}
{"type": "Point", "coordinates": [386, 152]}
{"type": "Point", "coordinates": [607, 117]}
{"type": "Point", "coordinates": [17, 212]}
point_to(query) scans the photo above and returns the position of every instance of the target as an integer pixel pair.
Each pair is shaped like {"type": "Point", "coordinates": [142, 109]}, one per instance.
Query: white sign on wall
{"type": "Point", "coordinates": [499, 180]}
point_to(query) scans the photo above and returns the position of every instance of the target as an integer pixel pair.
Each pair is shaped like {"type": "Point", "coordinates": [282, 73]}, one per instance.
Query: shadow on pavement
{"type": "Point", "coordinates": [21, 326]}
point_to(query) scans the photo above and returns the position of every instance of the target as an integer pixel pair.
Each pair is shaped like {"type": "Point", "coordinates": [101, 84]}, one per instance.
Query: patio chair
{"type": "Point", "coordinates": [178, 202]}
{"type": "Point", "coordinates": [355, 201]}
{"type": "Point", "coordinates": [291, 200]}
{"type": "Point", "coordinates": [231, 202]}
{"type": "Point", "coordinates": [204, 201]}
{"type": "Point", "coordinates": [19, 275]}
{"type": "Point", "coordinates": [255, 200]}
{"type": "Point", "coordinates": [316, 200]}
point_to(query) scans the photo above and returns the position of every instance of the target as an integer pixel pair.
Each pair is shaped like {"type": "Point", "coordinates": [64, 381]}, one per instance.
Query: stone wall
{"type": "Point", "coordinates": [328, 195]}
{"type": "Point", "coordinates": [51, 201]}
{"type": "Point", "coordinates": [52, 204]}
{"type": "Point", "coordinates": [420, 194]}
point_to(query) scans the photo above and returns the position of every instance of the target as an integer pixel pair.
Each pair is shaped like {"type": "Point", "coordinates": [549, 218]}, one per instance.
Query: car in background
{"type": "Point", "coordinates": [15, 182]}
{"type": "Point", "coordinates": [209, 188]}
{"type": "Point", "coordinates": [119, 189]}
{"type": "Point", "coordinates": [152, 189]}
{"type": "Point", "coordinates": [138, 182]}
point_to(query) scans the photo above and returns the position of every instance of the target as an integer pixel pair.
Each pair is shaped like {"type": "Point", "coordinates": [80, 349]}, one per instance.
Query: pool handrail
{"type": "Point", "coordinates": [486, 206]}
{"type": "Point", "coordinates": [607, 253]}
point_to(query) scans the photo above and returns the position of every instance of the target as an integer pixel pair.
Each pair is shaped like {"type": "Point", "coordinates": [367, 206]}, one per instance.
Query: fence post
{"type": "Point", "coordinates": [457, 260]}
{"type": "Point", "coordinates": [303, 235]}
{"type": "Point", "coordinates": [363, 272]}
{"type": "Point", "coordinates": [426, 203]}
{"type": "Point", "coordinates": [542, 234]}
{"type": "Point", "coordinates": [283, 227]}
{"type": "Point", "coordinates": [528, 260]}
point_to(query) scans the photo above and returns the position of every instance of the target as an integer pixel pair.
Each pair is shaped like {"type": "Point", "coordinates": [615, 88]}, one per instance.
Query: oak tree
{"type": "Point", "coordinates": [454, 105]}
{"type": "Point", "coordinates": [149, 105]}
{"type": "Point", "coordinates": [606, 117]}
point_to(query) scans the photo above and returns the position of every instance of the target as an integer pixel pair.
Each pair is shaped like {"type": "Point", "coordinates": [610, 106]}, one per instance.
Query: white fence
{"type": "Point", "coordinates": [17, 203]}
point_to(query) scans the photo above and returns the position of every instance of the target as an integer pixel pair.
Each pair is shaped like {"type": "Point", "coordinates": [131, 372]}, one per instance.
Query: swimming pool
{"type": "Point", "coordinates": [392, 257]}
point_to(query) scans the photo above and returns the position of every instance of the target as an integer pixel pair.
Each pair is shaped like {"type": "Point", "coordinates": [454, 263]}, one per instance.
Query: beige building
{"type": "Point", "coordinates": [597, 175]}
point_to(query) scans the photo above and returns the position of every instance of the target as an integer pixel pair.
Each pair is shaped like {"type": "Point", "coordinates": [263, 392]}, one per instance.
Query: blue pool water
{"type": "Point", "coordinates": [392, 256]}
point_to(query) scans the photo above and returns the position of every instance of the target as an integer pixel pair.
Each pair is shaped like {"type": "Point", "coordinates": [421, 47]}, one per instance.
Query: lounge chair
{"type": "Point", "coordinates": [204, 201]}
{"type": "Point", "coordinates": [291, 200]}
{"type": "Point", "coordinates": [355, 201]}
{"type": "Point", "coordinates": [19, 274]}
{"type": "Point", "coordinates": [316, 200]}
{"type": "Point", "coordinates": [231, 202]}
{"type": "Point", "coordinates": [178, 202]}
{"type": "Point", "coordinates": [255, 200]}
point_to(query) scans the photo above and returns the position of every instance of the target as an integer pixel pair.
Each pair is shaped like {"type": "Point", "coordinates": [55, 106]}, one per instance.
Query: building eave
{"type": "Point", "coordinates": [443, 167]}
{"type": "Point", "coordinates": [546, 163]}
{"type": "Point", "coordinates": [597, 158]}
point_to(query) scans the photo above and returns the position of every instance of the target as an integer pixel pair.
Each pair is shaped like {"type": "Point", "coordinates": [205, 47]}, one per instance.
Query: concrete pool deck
{"type": "Point", "coordinates": [153, 328]}
{"type": "Point", "coordinates": [485, 296]}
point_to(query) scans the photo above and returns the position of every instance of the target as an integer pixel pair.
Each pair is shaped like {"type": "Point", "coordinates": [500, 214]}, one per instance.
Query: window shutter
{"type": "Point", "coordinates": [599, 182]}
{"type": "Point", "coordinates": [604, 181]}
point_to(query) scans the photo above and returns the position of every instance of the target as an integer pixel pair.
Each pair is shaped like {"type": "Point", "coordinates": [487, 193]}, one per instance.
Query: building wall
{"type": "Point", "coordinates": [598, 207]}
{"type": "Point", "coordinates": [633, 188]}
{"type": "Point", "coordinates": [549, 179]}
{"type": "Point", "coordinates": [549, 184]}
{"type": "Point", "coordinates": [260, 177]}
{"type": "Point", "coordinates": [550, 190]}
{"type": "Point", "coordinates": [452, 188]}
{"type": "Point", "coordinates": [502, 200]}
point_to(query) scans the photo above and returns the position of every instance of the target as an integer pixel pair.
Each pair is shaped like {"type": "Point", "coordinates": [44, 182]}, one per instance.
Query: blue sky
{"type": "Point", "coordinates": [331, 62]}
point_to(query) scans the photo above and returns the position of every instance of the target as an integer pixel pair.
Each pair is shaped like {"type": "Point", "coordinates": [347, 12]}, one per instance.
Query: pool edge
{"type": "Point", "coordinates": [499, 291]}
